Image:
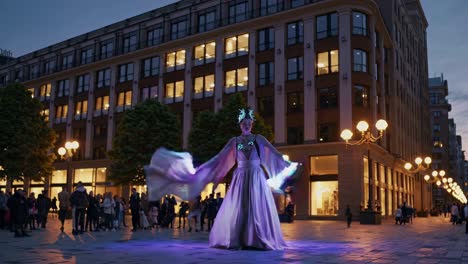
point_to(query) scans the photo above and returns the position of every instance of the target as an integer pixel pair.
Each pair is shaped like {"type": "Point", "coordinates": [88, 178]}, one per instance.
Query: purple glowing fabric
{"type": "Point", "coordinates": [248, 216]}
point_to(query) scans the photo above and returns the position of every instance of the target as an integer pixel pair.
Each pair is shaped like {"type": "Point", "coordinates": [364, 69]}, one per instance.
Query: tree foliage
{"type": "Point", "coordinates": [26, 138]}
{"type": "Point", "coordinates": [210, 132]}
{"type": "Point", "coordinates": [141, 131]}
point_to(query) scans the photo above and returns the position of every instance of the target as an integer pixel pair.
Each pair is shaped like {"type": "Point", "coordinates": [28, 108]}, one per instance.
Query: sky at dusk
{"type": "Point", "coordinates": [26, 26]}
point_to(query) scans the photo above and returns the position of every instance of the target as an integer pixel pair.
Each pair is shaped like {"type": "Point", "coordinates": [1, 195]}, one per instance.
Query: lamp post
{"type": "Point", "coordinates": [66, 153]}
{"type": "Point", "coordinates": [421, 165]}
{"type": "Point", "coordinates": [447, 183]}
{"type": "Point", "coordinates": [368, 216]}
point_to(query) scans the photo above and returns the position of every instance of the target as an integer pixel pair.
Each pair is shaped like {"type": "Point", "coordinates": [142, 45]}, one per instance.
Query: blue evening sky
{"type": "Point", "coordinates": [28, 25]}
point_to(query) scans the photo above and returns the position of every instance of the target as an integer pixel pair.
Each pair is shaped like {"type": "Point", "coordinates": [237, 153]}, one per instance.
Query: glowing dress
{"type": "Point", "coordinates": [248, 215]}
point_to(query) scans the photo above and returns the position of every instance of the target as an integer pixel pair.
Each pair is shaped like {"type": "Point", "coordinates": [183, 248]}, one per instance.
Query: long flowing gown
{"type": "Point", "coordinates": [248, 215]}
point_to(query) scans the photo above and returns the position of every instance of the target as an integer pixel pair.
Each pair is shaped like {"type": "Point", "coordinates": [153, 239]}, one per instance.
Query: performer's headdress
{"type": "Point", "coordinates": [245, 113]}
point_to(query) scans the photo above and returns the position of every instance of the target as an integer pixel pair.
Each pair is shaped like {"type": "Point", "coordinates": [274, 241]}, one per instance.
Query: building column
{"type": "Point", "coordinates": [71, 108]}
{"type": "Point", "coordinates": [374, 99]}
{"type": "Point", "coordinates": [110, 120]}
{"type": "Point", "coordinates": [280, 101]}
{"type": "Point", "coordinates": [251, 98]}
{"type": "Point", "coordinates": [52, 104]}
{"type": "Point", "coordinates": [219, 75]}
{"type": "Point", "coordinates": [136, 77]}
{"type": "Point", "coordinates": [89, 117]}
{"type": "Point", "coordinates": [346, 88]}
{"type": "Point", "coordinates": [310, 101]}
{"type": "Point", "coordinates": [162, 68]}
{"type": "Point", "coordinates": [187, 115]}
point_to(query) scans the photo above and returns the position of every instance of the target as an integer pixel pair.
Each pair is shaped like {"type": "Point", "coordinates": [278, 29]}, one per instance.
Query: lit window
{"type": "Point", "coordinates": [174, 92]}
{"type": "Point", "coordinates": [45, 114]}
{"type": "Point", "coordinates": [44, 91]}
{"type": "Point", "coordinates": [31, 90]}
{"type": "Point", "coordinates": [175, 60]}
{"type": "Point", "coordinates": [204, 53]}
{"type": "Point", "coordinates": [102, 105]}
{"type": "Point", "coordinates": [81, 109]}
{"type": "Point", "coordinates": [327, 62]}
{"type": "Point", "coordinates": [236, 80]}
{"type": "Point", "coordinates": [61, 114]}
{"type": "Point", "coordinates": [237, 46]}
{"type": "Point", "coordinates": [124, 101]}
{"type": "Point", "coordinates": [203, 86]}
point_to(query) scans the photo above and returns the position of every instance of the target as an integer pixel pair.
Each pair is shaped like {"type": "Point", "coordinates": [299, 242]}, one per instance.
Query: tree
{"type": "Point", "coordinates": [210, 132]}
{"type": "Point", "coordinates": [26, 138]}
{"type": "Point", "coordinates": [201, 143]}
{"type": "Point", "coordinates": [141, 131]}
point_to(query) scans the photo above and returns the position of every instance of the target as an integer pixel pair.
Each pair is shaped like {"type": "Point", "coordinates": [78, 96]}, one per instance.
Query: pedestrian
{"type": "Point", "coordinates": [54, 205]}
{"type": "Point", "coordinates": [211, 210]}
{"type": "Point", "coordinates": [64, 205]}
{"type": "Point", "coordinates": [19, 209]}
{"type": "Point", "coordinates": [108, 206]}
{"type": "Point", "coordinates": [3, 209]}
{"type": "Point", "coordinates": [153, 215]}
{"type": "Point", "coordinates": [195, 212]}
{"type": "Point", "coordinates": [404, 214]}
{"type": "Point", "coordinates": [79, 202]}
{"type": "Point", "coordinates": [398, 215]}
{"type": "Point", "coordinates": [349, 215]}
{"type": "Point", "coordinates": [184, 206]}
{"type": "Point", "coordinates": [32, 211]}
{"type": "Point", "coordinates": [135, 208]}
{"type": "Point", "coordinates": [454, 214]}
{"type": "Point", "coordinates": [92, 213]}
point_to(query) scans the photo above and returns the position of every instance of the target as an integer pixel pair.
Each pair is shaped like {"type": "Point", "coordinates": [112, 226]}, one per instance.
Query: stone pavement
{"type": "Point", "coordinates": [428, 240]}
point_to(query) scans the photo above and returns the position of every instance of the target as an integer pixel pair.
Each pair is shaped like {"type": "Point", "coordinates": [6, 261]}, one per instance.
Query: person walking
{"type": "Point", "coordinates": [404, 214]}
{"type": "Point", "coordinates": [398, 216]}
{"type": "Point", "coordinates": [184, 206]}
{"type": "Point", "coordinates": [79, 202]}
{"type": "Point", "coordinates": [211, 211]}
{"type": "Point", "coordinates": [454, 214]}
{"type": "Point", "coordinates": [64, 205]}
{"type": "Point", "coordinates": [349, 215]}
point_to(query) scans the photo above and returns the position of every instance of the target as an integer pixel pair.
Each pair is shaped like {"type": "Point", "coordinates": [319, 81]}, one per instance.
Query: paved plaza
{"type": "Point", "coordinates": [427, 240]}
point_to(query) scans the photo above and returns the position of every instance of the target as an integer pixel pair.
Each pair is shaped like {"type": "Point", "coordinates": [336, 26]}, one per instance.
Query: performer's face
{"type": "Point", "coordinates": [246, 125]}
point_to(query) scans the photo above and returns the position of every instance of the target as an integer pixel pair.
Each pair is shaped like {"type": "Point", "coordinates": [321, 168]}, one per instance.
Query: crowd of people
{"type": "Point", "coordinates": [94, 213]}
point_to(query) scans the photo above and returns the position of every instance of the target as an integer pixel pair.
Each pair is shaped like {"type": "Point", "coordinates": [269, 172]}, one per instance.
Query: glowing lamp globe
{"type": "Point", "coordinates": [450, 180]}
{"type": "Point", "coordinates": [362, 126]}
{"type": "Point", "coordinates": [408, 166]}
{"type": "Point", "coordinates": [346, 134]}
{"type": "Point", "coordinates": [442, 173]}
{"type": "Point", "coordinates": [68, 145]}
{"type": "Point", "coordinates": [418, 160]}
{"type": "Point", "coordinates": [75, 145]}
{"type": "Point", "coordinates": [444, 180]}
{"type": "Point", "coordinates": [61, 151]}
{"type": "Point", "coordinates": [428, 160]}
{"type": "Point", "coordinates": [381, 125]}
{"type": "Point", "coordinates": [438, 183]}
{"type": "Point", "coordinates": [426, 177]}
{"type": "Point", "coordinates": [435, 173]}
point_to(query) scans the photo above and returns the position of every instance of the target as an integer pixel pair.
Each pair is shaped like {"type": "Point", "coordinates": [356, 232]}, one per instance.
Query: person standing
{"type": "Point", "coordinates": [79, 202]}
{"type": "Point", "coordinates": [19, 209]}
{"type": "Point", "coordinates": [135, 208]}
{"type": "Point", "coordinates": [64, 205]}
{"type": "Point", "coordinates": [183, 213]}
{"type": "Point", "coordinates": [3, 209]}
{"type": "Point", "coordinates": [454, 214]}
{"type": "Point", "coordinates": [349, 215]}
{"type": "Point", "coordinates": [210, 211]}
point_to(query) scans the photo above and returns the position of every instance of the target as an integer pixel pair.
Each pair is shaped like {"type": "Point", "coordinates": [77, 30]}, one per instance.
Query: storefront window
{"type": "Point", "coordinates": [36, 190]}
{"type": "Point", "coordinates": [209, 187]}
{"type": "Point", "coordinates": [84, 175]}
{"type": "Point", "coordinates": [324, 198]}
{"type": "Point", "coordinates": [59, 177]}
{"type": "Point", "coordinates": [366, 183]}
{"type": "Point", "coordinates": [54, 191]}
{"type": "Point", "coordinates": [324, 185]}
{"type": "Point", "coordinates": [101, 175]}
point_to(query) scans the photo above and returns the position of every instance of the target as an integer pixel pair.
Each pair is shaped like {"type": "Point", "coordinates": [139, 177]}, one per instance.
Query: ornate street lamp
{"type": "Point", "coordinates": [66, 153]}
{"type": "Point", "coordinates": [368, 216]}
{"type": "Point", "coordinates": [421, 165]}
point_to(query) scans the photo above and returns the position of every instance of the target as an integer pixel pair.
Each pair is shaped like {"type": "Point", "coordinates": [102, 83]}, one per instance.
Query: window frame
{"type": "Point", "coordinates": [103, 108]}
{"type": "Point", "coordinates": [361, 98]}
{"type": "Point", "coordinates": [331, 95]}
{"type": "Point", "coordinates": [237, 52]}
{"type": "Point", "coordinates": [154, 40]}
{"type": "Point", "coordinates": [174, 98]}
{"type": "Point", "coordinates": [298, 74]}
{"type": "Point", "coordinates": [80, 105]}
{"type": "Point", "coordinates": [299, 96]}
{"type": "Point", "coordinates": [269, 37]}
{"type": "Point", "coordinates": [269, 78]}
{"type": "Point", "coordinates": [204, 60]}
{"type": "Point", "coordinates": [127, 97]}
{"type": "Point", "coordinates": [207, 25]}
{"type": "Point", "coordinates": [298, 37]}
{"type": "Point", "coordinates": [329, 68]}
{"type": "Point", "coordinates": [329, 30]}
{"type": "Point", "coordinates": [63, 88]}
{"type": "Point", "coordinates": [236, 88]}
{"type": "Point", "coordinates": [105, 82]}
{"type": "Point", "coordinates": [126, 72]}
{"type": "Point", "coordinates": [204, 93]}
{"type": "Point", "coordinates": [177, 32]}
{"type": "Point", "coordinates": [108, 47]}
{"type": "Point", "coordinates": [127, 45]}
{"type": "Point", "coordinates": [154, 68]}
{"type": "Point", "coordinates": [360, 66]}
{"type": "Point", "coordinates": [362, 29]}
{"type": "Point", "coordinates": [176, 66]}
{"type": "Point", "coordinates": [236, 16]}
